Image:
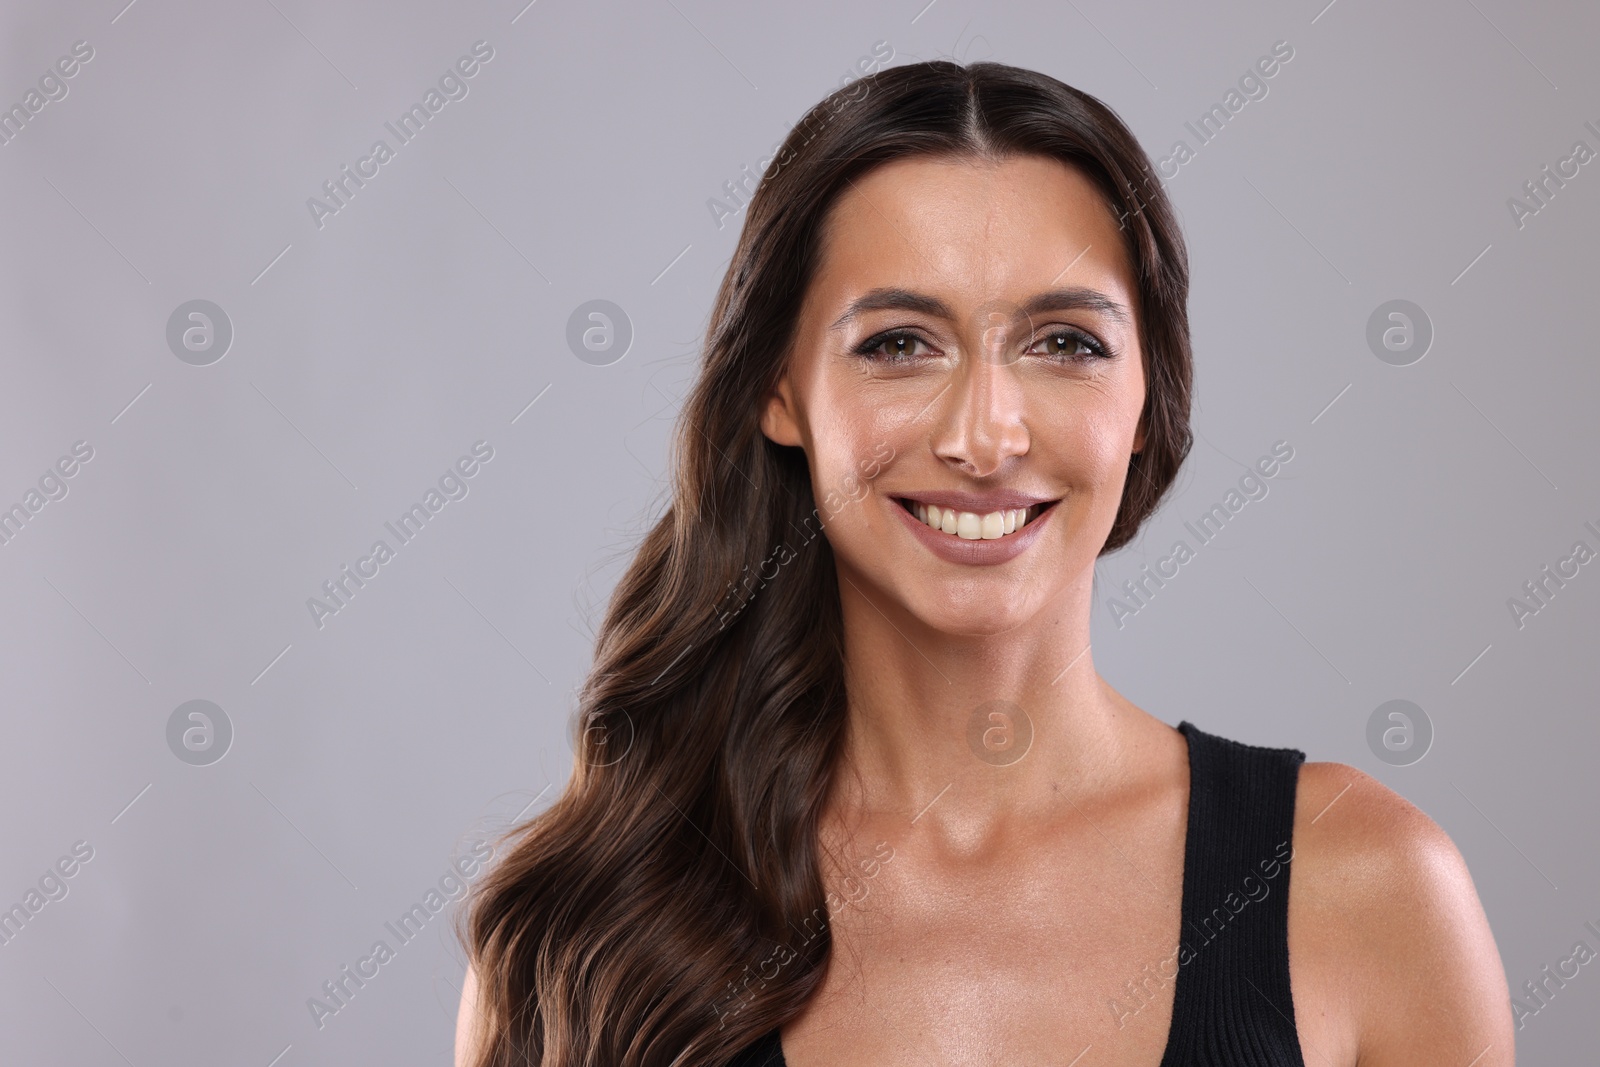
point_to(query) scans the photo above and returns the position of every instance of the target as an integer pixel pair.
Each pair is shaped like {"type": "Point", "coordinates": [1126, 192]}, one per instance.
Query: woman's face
{"type": "Point", "coordinates": [969, 343]}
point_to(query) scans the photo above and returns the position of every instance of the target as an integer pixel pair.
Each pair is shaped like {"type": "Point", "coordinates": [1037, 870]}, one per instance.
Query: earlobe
{"type": "Point", "coordinates": [777, 420]}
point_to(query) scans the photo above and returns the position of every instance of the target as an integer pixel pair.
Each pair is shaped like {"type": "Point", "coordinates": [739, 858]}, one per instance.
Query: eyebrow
{"type": "Point", "coordinates": [1070, 299]}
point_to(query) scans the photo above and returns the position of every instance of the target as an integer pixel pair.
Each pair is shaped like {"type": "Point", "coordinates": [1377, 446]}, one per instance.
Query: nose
{"type": "Point", "coordinates": [981, 426]}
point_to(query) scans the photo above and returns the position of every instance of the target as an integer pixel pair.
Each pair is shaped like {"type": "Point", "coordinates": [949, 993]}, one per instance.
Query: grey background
{"type": "Point", "coordinates": [431, 312]}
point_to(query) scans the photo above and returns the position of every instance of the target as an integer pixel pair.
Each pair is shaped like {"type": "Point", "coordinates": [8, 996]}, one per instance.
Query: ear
{"type": "Point", "coordinates": [1138, 438]}
{"type": "Point", "coordinates": [780, 418]}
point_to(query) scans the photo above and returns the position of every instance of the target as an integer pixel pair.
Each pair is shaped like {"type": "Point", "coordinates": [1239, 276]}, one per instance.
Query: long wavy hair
{"type": "Point", "coordinates": [669, 907]}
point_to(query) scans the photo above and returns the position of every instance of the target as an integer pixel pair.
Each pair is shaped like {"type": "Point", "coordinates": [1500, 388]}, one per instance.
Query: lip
{"type": "Point", "coordinates": [977, 503]}
{"type": "Point", "coordinates": [979, 552]}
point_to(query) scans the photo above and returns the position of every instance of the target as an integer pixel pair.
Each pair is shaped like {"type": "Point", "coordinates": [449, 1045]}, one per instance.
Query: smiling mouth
{"type": "Point", "coordinates": [971, 526]}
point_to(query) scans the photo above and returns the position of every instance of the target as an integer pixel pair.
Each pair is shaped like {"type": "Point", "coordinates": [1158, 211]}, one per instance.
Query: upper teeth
{"type": "Point", "coordinates": [970, 525]}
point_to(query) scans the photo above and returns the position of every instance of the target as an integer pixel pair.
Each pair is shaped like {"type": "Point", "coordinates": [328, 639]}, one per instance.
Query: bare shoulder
{"type": "Point", "coordinates": [1392, 956]}
{"type": "Point", "coordinates": [467, 1038]}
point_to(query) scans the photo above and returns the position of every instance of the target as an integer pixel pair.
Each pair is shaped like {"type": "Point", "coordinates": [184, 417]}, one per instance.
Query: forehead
{"type": "Point", "coordinates": [973, 231]}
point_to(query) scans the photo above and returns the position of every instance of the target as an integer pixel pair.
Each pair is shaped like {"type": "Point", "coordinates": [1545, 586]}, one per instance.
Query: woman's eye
{"type": "Point", "coordinates": [891, 347]}
{"type": "Point", "coordinates": [1071, 344]}
{"type": "Point", "coordinates": [900, 346]}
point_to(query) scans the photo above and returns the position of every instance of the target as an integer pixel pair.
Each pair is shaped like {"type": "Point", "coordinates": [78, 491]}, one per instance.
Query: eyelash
{"type": "Point", "coordinates": [867, 348]}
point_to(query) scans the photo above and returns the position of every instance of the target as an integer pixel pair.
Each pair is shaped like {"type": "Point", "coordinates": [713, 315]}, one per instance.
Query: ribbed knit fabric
{"type": "Point", "coordinates": [1231, 1006]}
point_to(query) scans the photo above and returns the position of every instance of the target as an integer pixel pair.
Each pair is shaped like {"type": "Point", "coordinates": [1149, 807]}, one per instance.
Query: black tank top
{"type": "Point", "coordinates": [1231, 1006]}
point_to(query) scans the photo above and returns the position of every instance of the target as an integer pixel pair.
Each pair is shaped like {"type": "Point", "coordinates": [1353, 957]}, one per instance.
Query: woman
{"type": "Point", "coordinates": [849, 789]}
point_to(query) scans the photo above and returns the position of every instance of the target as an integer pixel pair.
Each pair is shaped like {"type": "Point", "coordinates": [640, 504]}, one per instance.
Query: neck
{"type": "Point", "coordinates": [974, 732]}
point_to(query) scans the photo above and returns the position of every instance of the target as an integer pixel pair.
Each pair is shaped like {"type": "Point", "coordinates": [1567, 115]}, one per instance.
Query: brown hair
{"type": "Point", "coordinates": [668, 908]}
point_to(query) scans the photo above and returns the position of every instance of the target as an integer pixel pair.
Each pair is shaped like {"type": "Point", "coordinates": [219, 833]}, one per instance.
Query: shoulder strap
{"type": "Point", "coordinates": [1232, 1004]}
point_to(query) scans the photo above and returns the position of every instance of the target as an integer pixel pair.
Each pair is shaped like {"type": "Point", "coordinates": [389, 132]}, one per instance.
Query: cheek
{"type": "Point", "coordinates": [841, 454]}
{"type": "Point", "coordinates": [1107, 443]}
{"type": "Point", "coordinates": [859, 434]}
{"type": "Point", "coordinates": [1088, 442]}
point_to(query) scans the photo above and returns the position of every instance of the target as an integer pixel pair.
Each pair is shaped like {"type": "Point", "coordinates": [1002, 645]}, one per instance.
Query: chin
{"type": "Point", "coordinates": [976, 611]}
